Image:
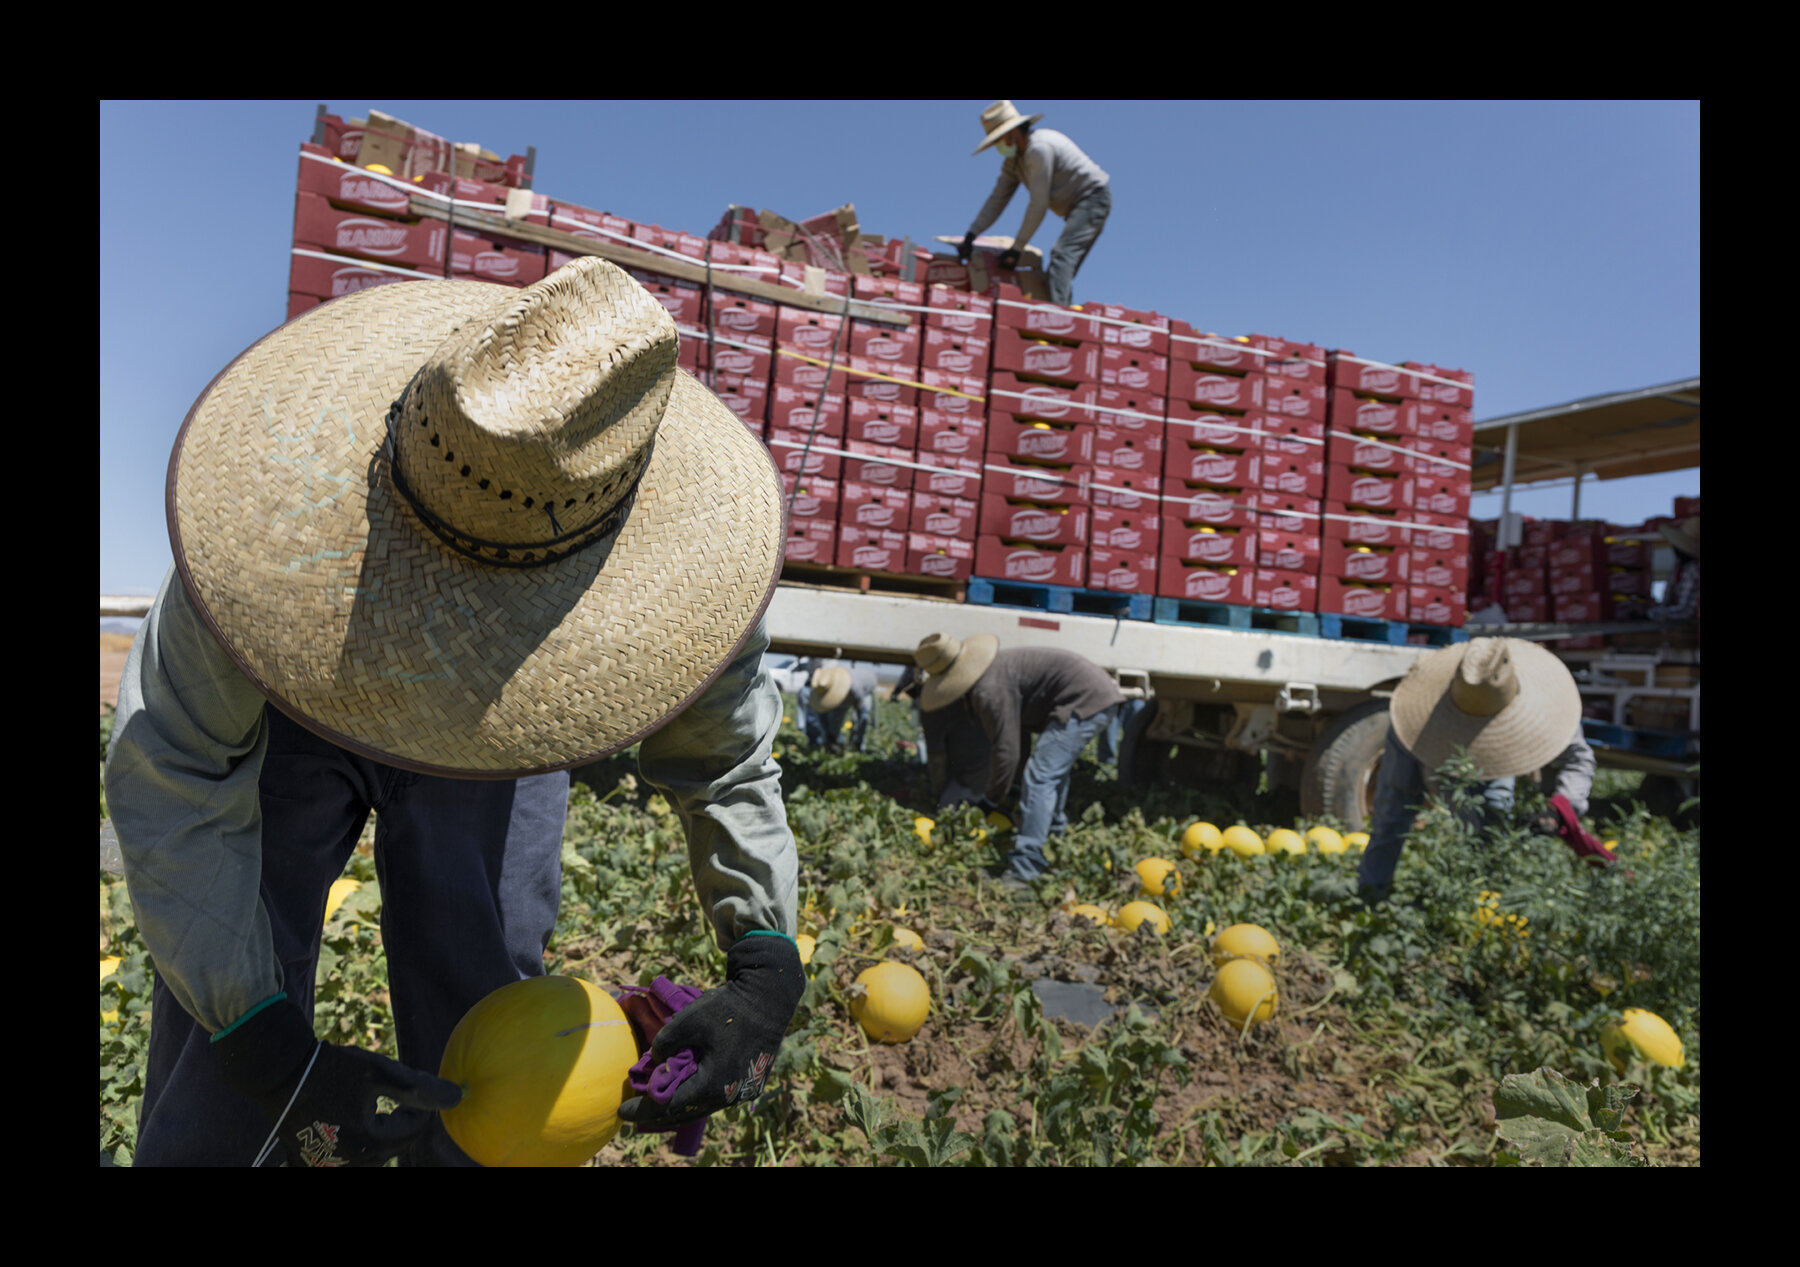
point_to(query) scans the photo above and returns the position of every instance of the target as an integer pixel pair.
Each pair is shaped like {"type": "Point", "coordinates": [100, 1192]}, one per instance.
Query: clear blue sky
{"type": "Point", "coordinates": [1551, 248]}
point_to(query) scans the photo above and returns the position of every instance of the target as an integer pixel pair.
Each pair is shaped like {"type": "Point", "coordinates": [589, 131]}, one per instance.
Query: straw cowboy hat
{"type": "Point", "coordinates": [1509, 702]}
{"type": "Point", "coordinates": [1684, 536]}
{"type": "Point", "coordinates": [999, 119]}
{"type": "Point", "coordinates": [953, 665]}
{"type": "Point", "coordinates": [830, 688]}
{"type": "Point", "coordinates": [475, 530]}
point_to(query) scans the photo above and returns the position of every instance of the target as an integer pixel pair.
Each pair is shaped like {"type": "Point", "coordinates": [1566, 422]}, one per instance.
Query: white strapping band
{"type": "Point", "coordinates": [385, 268]}
{"type": "Point", "coordinates": [1363, 360]}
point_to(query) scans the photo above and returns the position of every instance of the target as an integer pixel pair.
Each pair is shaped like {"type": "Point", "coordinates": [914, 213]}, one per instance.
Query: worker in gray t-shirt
{"type": "Point", "coordinates": [1058, 177]}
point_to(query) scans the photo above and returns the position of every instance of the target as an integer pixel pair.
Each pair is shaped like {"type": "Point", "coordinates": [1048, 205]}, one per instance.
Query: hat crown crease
{"type": "Point", "coordinates": [1485, 682]}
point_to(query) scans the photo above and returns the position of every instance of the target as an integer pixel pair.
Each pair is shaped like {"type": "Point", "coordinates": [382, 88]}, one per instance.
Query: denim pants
{"type": "Point", "coordinates": [1080, 230]}
{"type": "Point", "coordinates": [1045, 790]}
{"type": "Point", "coordinates": [1118, 739]}
{"type": "Point", "coordinates": [1399, 794]}
{"type": "Point", "coordinates": [471, 877]}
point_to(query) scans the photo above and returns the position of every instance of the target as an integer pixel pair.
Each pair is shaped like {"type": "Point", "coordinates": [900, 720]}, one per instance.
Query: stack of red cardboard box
{"type": "Point", "coordinates": [1130, 442]}
{"type": "Point", "coordinates": [1399, 447]}
{"type": "Point", "coordinates": [956, 339]}
{"type": "Point", "coordinates": [407, 151]}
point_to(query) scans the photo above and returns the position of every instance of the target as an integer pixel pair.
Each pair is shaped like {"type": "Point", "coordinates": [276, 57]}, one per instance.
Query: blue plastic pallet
{"type": "Point", "coordinates": [1061, 599]}
{"type": "Point", "coordinates": [1655, 743]}
{"type": "Point", "coordinates": [1398, 633]}
{"type": "Point", "coordinates": [1188, 611]}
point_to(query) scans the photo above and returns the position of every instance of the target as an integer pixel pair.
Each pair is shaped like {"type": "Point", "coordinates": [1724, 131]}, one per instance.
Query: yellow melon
{"type": "Point", "coordinates": [893, 1002]}
{"type": "Point", "coordinates": [1246, 941]}
{"type": "Point", "coordinates": [1325, 840]}
{"type": "Point", "coordinates": [1242, 841]}
{"type": "Point", "coordinates": [1240, 986]}
{"type": "Point", "coordinates": [1159, 877]}
{"type": "Point", "coordinates": [1134, 913]}
{"type": "Point", "coordinates": [1284, 840]}
{"type": "Point", "coordinates": [1201, 838]}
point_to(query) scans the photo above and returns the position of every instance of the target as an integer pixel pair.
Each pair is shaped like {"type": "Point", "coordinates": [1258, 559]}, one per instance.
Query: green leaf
{"type": "Point", "coordinates": [1547, 1118]}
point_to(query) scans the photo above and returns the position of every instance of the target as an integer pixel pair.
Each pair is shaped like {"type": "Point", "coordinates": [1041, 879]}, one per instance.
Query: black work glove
{"type": "Point", "coordinates": [332, 1121]}
{"type": "Point", "coordinates": [1009, 260]}
{"type": "Point", "coordinates": [1547, 824]}
{"type": "Point", "coordinates": [734, 1032]}
{"type": "Point", "coordinates": [965, 248]}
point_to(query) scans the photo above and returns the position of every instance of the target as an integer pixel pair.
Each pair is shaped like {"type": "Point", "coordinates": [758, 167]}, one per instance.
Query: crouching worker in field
{"type": "Point", "coordinates": [843, 699]}
{"type": "Point", "coordinates": [436, 545]}
{"type": "Point", "coordinates": [1514, 708]}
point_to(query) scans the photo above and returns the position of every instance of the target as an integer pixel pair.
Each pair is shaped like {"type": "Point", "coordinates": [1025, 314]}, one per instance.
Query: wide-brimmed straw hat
{"type": "Point", "coordinates": [1511, 704]}
{"type": "Point", "coordinates": [999, 119]}
{"type": "Point", "coordinates": [952, 666]}
{"type": "Point", "coordinates": [830, 688]}
{"type": "Point", "coordinates": [1684, 536]}
{"type": "Point", "coordinates": [473, 530]}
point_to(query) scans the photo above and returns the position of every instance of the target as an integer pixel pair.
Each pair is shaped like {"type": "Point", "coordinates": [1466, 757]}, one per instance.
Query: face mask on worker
{"type": "Point", "coordinates": [1007, 148]}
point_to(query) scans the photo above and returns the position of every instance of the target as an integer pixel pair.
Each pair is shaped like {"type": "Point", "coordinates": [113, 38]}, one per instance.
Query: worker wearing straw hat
{"type": "Point", "coordinates": [1057, 177]}
{"type": "Point", "coordinates": [1062, 698]}
{"type": "Point", "coordinates": [1681, 597]}
{"type": "Point", "coordinates": [844, 697]}
{"type": "Point", "coordinates": [1514, 709]}
{"type": "Point", "coordinates": [436, 544]}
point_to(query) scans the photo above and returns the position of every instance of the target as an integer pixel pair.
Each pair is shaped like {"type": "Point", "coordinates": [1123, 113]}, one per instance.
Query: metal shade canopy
{"type": "Point", "coordinates": [1609, 437]}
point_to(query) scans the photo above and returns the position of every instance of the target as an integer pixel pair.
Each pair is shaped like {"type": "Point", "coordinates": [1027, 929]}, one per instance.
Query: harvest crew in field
{"type": "Point", "coordinates": [838, 694]}
{"type": "Point", "coordinates": [436, 544]}
{"type": "Point", "coordinates": [1513, 707]}
{"type": "Point", "coordinates": [1062, 698]}
{"type": "Point", "coordinates": [1058, 177]}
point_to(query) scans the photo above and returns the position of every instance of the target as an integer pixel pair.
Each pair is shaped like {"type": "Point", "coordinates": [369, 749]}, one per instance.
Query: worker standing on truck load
{"type": "Point", "coordinates": [841, 697]}
{"type": "Point", "coordinates": [1681, 597]}
{"type": "Point", "coordinates": [1058, 177]}
{"type": "Point", "coordinates": [1062, 698]}
{"type": "Point", "coordinates": [436, 545]}
{"type": "Point", "coordinates": [1515, 709]}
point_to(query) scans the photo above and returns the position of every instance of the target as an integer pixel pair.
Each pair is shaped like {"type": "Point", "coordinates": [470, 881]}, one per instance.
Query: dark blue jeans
{"type": "Point", "coordinates": [1080, 231]}
{"type": "Point", "coordinates": [471, 876]}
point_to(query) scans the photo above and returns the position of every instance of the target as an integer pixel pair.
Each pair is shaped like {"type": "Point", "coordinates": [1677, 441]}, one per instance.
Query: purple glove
{"type": "Point", "coordinates": [649, 1010]}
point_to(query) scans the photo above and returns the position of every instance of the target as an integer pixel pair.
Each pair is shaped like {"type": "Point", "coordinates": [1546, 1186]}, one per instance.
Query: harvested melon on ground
{"type": "Point", "coordinates": [890, 1001]}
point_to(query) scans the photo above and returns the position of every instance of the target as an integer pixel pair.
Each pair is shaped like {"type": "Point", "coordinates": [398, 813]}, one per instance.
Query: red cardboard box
{"type": "Point", "coordinates": [820, 459]}
{"type": "Point", "coordinates": [1018, 353]}
{"type": "Point", "coordinates": [1630, 582]}
{"type": "Point", "coordinates": [1060, 444]}
{"type": "Point", "coordinates": [812, 541]}
{"type": "Point", "coordinates": [879, 464]}
{"type": "Point", "coordinates": [1573, 580]}
{"type": "Point", "coordinates": [1526, 609]}
{"type": "Point", "coordinates": [670, 240]}
{"type": "Point", "coordinates": [355, 188]}
{"type": "Point", "coordinates": [1444, 424]}
{"type": "Point", "coordinates": [1048, 402]}
{"type": "Point", "coordinates": [1126, 450]}
{"type": "Point", "coordinates": [1127, 490]}
{"type": "Point", "coordinates": [322, 276]}
{"type": "Point", "coordinates": [749, 400]}
{"type": "Point", "coordinates": [1633, 554]}
{"type": "Point", "coordinates": [1300, 474]}
{"type": "Point", "coordinates": [1130, 410]}
{"type": "Point", "coordinates": [1294, 398]}
{"type": "Point", "coordinates": [884, 391]}
{"type": "Point", "coordinates": [793, 273]}
{"type": "Point", "coordinates": [1213, 389]}
{"type": "Point", "coordinates": [814, 333]}
{"type": "Point", "coordinates": [502, 260]}
{"type": "Point", "coordinates": [1286, 591]}
{"type": "Point", "coordinates": [1297, 436]}
{"type": "Point", "coordinates": [951, 435]}
{"type": "Point", "coordinates": [1350, 412]}
{"type": "Point", "coordinates": [1185, 460]}
{"type": "Point", "coordinates": [409, 243]}
{"type": "Point", "coordinates": [1441, 497]}
{"type": "Point", "coordinates": [1369, 451]}
{"type": "Point", "coordinates": [1205, 582]}
{"type": "Point", "coordinates": [1222, 546]}
{"type": "Point", "coordinates": [1209, 504]}
{"type": "Point", "coordinates": [1527, 584]}
{"type": "Point", "coordinates": [955, 352]}
{"type": "Point", "coordinates": [959, 311]}
{"type": "Point", "coordinates": [871, 549]}
{"type": "Point", "coordinates": [892, 350]}
{"type": "Point", "coordinates": [876, 290]}
{"type": "Point", "coordinates": [742, 315]}
{"type": "Point", "coordinates": [1429, 606]}
{"type": "Point", "coordinates": [1016, 482]}
{"type": "Point", "coordinates": [1037, 318]}
{"type": "Point", "coordinates": [491, 198]}
{"type": "Point", "coordinates": [1122, 571]}
{"type": "Point", "coordinates": [950, 558]}
{"type": "Point", "coordinates": [1441, 459]}
{"type": "Point", "coordinates": [793, 409]}
{"type": "Point", "coordinates": [1439, 570]}
{"type": "Point", "coordinates": [1147, 331]}
{"type": "Point", "coordinates": [969, 386]}
{"type": "Point", "coordinates": [875, 506]}
{"type": "Point", "coordinates": [1441, 386]}
{"type": "Point", "coordinates": [1361, 598]}
{"type": "Point", "coordinates": [1440, 536]}
{"type": "Point", "coordinates": [1287, 359]}
{"type": "Point", "coordinates": [1201, 351]}
{"type": "Point", "coordinates": [1373, 527]}
{"type": "Point", "coordinates": [1578, 609]}
{"type": "Point", "coordinates": [943, 475]}
{"type": "Point", "coordinates": [808, 498]}
{"type": "Point", "coordinates": [1686, 507]}
{"type": "Point", "coordinates": [685, 301]}
{"type": "Point", "coordinates": [1288, 551]}
{"type": "Point", "coordinates": [584, 222]}
{"type": "Point", "coordinates": [298, 304]}
{"type": "Point", "coordinates": [802, 375]}
{"type": "Point", "coordinates": [944, 516]}
{"type": "Point", "coordinates": [1223, 428]}
{"type": "Point", "coordinates": [734, 366]}
{"type": "Point", "coordinates": [1348, 372]}
{"type": "Point", "coordinates": [1039, 564]}
{"type": "Point", "coordinates": [1356, 487]}
{"type": "Point", "coordinates": [744, 261]}
{"type": "Point", "coordinates": [1134, 369]}
{"type": "Point", "coordinates": [1055, 523]}
{"type": "Point", "coordinates": [1285, 512]}
{"type": "Point", "coordinates": [1133, 531]}
{"type": "Point", "coordinates": [878, 423]}
{"type": "Point", "coordinates": [1346, 560]}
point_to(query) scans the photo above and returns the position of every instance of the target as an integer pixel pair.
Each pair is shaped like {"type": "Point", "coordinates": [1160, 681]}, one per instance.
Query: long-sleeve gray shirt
{"type": "Point", "coordinates": [1027, 689]}
{"type": "Point", "coordinates": [1057, 175]}
{"type": "Point", "coordinates": [181, 785]}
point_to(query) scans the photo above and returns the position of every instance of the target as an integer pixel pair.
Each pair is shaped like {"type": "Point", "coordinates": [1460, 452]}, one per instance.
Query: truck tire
{"type": "Point", "coordinates": [1339, 775]}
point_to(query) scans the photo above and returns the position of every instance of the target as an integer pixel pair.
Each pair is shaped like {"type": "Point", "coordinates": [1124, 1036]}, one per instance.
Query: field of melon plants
{"type": "Point", "coordinates": [1468, 1021]}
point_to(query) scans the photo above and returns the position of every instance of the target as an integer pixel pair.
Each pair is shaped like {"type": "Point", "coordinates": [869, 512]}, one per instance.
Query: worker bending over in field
{"type": "Point", "coordinates": [1515, 709]}
{"type": "Point", "coordinates": [1062, 698]}
{"type": "Point", "coordinates": [435, 545]}
{"type": "Point", "coordinates": [1058, 177]}
{"type": "Point", "coordinates": [841, 697]}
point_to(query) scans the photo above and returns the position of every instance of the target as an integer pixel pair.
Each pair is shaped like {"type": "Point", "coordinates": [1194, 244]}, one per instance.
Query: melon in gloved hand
{"type": "Point", "coordinates": [544, 1065]}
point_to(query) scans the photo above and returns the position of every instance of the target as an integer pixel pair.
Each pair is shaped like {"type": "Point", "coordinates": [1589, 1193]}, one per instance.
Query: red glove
{"type": "Point", "coordinates": [1578, 838]}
